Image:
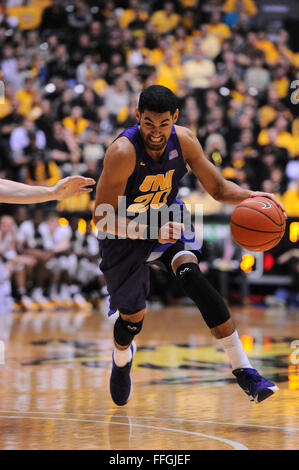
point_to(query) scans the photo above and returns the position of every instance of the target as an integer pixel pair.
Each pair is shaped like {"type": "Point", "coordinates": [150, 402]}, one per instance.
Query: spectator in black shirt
{"type": "Point", "coordinates": [54, 18]}
{"type": "Point", "coordinates": [89, 103]}
{"type": "Point", "coordinates": [65, 104]}
{"type": "Point", "coordinates": [60, 65]}
{"type": "Point", "coordinates": [81, 17]}
{"type": "Point", "coordinates": [63, 147]}
{"type": "Point", "coordinates": [11, 121]}
{"type": "Point", "coordinates": [114, 45]}
{"type": "Point", "coordinates": [46, 120]}
{"type": "Point", "coordinates": [96, 36]}
{"type": "Point", "coordinates": [82, 49]}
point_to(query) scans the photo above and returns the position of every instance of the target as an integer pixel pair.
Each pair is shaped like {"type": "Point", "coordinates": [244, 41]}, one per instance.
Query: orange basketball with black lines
{"type": "Point", "coordinates": [257, 224]}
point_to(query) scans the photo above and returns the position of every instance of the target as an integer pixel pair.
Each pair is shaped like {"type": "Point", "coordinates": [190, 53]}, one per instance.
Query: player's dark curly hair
{"type": "Point", "coordinates": [158, 99]}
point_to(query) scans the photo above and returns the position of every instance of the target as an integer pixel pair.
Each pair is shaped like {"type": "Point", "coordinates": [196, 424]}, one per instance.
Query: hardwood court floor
{"type": "Point", "coordinates": [54, 384]}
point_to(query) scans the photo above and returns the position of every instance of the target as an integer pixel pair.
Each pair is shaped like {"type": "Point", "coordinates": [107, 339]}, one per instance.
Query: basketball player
{"type": "Point", "coordinates": [145, 164]}
{"type": "Point", "coordinates": [18, 193]}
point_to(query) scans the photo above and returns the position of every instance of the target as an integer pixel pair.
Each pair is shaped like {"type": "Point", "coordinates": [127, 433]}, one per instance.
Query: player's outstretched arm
{"type": "Point", "coordinates": [210, 177]}
{"type": "Point", "coordinates": [12, 192]}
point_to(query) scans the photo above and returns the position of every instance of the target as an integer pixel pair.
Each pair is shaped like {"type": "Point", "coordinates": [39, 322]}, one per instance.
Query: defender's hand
{"type": "Point", "coordinates": [71, 186]}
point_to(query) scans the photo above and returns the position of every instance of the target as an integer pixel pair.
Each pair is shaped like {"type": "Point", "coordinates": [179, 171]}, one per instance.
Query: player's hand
{"type": "Point", "coordinates": [71, 186]}
{"type": "Point", "coordinates": [170, 232]}
{"type": "Point", "coordinates": [270, 196]}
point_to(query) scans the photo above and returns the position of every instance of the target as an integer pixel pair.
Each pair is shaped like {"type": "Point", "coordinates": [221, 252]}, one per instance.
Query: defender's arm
{"type": "Point", "coordinates": [12, 192]}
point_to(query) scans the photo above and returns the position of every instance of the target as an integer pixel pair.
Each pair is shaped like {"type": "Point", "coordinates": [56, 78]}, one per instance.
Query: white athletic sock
{"type": "Point", "coordinates": [121, 358]}
{"type": "Point", "coordinates": [234, 349]}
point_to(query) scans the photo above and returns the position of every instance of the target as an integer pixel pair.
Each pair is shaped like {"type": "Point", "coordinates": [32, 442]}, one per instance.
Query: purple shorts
{"type": "Point", "coordinates": [127, 272]}
{"type": "Point", "coordinates": [126, 268]}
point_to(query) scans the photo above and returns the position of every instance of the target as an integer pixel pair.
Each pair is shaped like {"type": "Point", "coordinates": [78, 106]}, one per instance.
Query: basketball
{"type": "Point", "coordinates": [257, 224]}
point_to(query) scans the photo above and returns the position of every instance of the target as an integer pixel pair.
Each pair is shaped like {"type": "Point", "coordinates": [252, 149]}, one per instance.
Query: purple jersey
{"type": "Point", "coordinates": [153, 183]}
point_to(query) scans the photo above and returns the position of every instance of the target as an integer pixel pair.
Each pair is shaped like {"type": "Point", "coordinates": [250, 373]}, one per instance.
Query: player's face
{"type": "Point", "coordinates": [156, 128]}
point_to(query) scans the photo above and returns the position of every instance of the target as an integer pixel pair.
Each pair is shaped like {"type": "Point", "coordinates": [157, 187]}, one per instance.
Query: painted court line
{"type": "Point", "coordinates": [263, 426]}
{"type": "Point", "coordinates": [235, 445]}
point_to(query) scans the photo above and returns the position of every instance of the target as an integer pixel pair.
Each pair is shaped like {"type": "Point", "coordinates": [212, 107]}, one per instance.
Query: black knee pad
{"type": "Point", "coordinates": [203, 294]}
{"type": "Point", "coordinates": [124, 331]}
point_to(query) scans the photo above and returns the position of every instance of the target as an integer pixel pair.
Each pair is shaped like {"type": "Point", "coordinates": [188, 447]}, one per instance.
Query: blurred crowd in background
{"type": "Point", "coordinates": [48, 262]}
{"type": "Point", "coordinates": [72, 73]}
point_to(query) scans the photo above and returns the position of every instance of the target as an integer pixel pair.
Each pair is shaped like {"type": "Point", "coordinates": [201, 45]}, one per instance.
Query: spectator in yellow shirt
{"type": "Point", "coordinates": [210, 43]}
{"type": "Point", "coordinates": [198, 71]}
{"type": "Point", "coordinates": [291, 199]}
{"type": "Point", "coordinates": [165, 20]}
{"type": "Point", "coordinates": [28, 16]}
{"type": "Point", "coordinates": [168, 73]}
{"type": "Point", "coordinates": [278, 135]}
{"type": "Point", "coordinates": [272, 55]}
{"type": "Point", "coordinates": [217, 28]}
{"type": "Point", "coordinates": [43, 173]}
{"type": "Point", "coordinates": [246, 6]}
{"type": "Point", "coordinates": [181, 42]}
{"type": "Point", "coordinates": [99, 85]}
{"type": "Point", "coordinates": [281, 81]}
{"type": "Point", "coordinates": [268, 112]}
{"type": "Point", "coordinates": [25, 96]}
{"type": "Point", "coordinates": [133, 13]}
{"type": "Point", "coordinates": [157, 55]}
{"type": "Point", "coordinates": [75, 122]}
{"type": "Point", "coordinates": [39, 171]}
{"type": "Point", "coordinates": [80, 202]}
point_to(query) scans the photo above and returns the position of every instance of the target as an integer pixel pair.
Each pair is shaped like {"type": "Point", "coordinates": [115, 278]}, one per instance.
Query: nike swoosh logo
{"type": "Point", "coordinates": [266, 205]}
